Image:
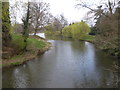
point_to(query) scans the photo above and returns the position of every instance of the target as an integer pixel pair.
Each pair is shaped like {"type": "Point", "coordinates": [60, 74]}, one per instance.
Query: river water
{"type": "Point", "coordinates": [68, 64]}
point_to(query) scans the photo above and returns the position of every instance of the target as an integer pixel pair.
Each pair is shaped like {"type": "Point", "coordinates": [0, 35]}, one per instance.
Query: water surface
{"type": "Point", "coordinates": [68, 64]}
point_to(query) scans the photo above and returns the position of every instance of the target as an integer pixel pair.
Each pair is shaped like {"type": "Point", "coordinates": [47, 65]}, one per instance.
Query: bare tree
{"type": "Point", "coordinates": [105, 6]}
{"type": "Point", "coordinates": [59, 22]}
{"type": "Point", "coordinates": [63, 21]}
{"type": "Point", "coordinates": [39, 15]}
{"type": "Point", "coordinates": [107, 22]}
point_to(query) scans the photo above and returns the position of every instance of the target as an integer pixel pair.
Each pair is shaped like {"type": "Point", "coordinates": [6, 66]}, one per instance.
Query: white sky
{"type": "Point", "coordinates": [67, 8]}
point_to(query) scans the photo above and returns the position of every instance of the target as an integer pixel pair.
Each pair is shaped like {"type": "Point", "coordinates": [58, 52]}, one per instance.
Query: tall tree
{"type": "Point", "coordinates": [39, 15]}
{"type": "Point", "coordinates": [6, 37]}
{"type": "Point", "coordinates": [25, 26]}
{"type": "Point", "coordinates": [59, 22]}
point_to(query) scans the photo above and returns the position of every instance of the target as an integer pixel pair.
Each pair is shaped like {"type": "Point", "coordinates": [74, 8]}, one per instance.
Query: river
{"type": "Point", "coordinates": [68, 64]}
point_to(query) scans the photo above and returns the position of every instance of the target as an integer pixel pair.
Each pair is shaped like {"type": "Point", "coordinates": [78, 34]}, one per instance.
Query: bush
{"type": "Point", "coordinates": [66, 32]}
{"type": "Point", "coordinates": [77, 30]}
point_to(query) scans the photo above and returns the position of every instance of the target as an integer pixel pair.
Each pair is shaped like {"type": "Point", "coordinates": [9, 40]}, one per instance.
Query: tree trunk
{"type": "Point", "coordinates": [35, 31]}
{"type": "Point", "coordinates": [110, 8]}
{"type": "Point", "coordinates": [26, 30]}
{"type": "Point", "coordinates": [25, 47]}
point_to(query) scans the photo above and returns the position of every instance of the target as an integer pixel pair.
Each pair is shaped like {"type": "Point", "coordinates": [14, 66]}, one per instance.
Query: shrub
{"type": "Point", "coordinates": [77, 30]}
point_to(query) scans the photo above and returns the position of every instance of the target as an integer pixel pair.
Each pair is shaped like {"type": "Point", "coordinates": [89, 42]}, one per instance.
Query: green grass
{"type": "Point", "coordinates": [88, 38]}
{"type": "Point", "coordinates": [37, 43]}
{"type": "Point", "coordinates": [0, 65]}
{"type": "Point", "coordinates": [16, 63]}
{"type": "Point", "coordinates": [16, 56]}
{"type": "Point", "coordinates": [18, 42]}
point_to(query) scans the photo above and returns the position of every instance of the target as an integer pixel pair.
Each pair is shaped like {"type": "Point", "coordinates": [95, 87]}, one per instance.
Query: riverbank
{"type": "Point", "coordinates": [67, 63]}
{"type": "Point", "coordinates": [89, 38]}
{"type": "Point", "coordinates": [36, 47]}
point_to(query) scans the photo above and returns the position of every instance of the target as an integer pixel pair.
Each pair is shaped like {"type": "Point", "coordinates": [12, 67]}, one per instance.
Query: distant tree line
{"type": "Point", "coordinates": [56, 25]}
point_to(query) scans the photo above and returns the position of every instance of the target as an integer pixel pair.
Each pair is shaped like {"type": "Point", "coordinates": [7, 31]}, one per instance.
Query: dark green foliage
{"type": "Point", "coordinates": [6, 38]}
{"type": "Point", "coordinates": [93, 31]}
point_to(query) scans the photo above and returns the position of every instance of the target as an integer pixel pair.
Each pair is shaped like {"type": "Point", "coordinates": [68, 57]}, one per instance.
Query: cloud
{"type": "Point", "coordinates": [67, 8]}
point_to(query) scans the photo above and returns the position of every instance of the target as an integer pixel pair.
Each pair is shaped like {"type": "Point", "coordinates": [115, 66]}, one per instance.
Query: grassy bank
{"type": "Point", "coordinates": [57, 36]}
{"type": "Point", "coordinates": [35, 47]}
{"type": "Point", "coordinates": [88, 38]}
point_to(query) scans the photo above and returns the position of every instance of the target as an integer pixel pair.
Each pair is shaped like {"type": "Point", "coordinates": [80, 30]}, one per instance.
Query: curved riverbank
{"type": "Point", "coordinates": [68, 64]}
{"type": "Point", "coordinates": [89, 38]}
{"type": "Point", "coordinates": [20, 59]}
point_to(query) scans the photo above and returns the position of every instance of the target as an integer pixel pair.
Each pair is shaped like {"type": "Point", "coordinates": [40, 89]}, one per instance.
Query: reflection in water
{"type": "Point", "coordinates": [20, 79]}
{"type": "Point", "coordinates": [68, 64]}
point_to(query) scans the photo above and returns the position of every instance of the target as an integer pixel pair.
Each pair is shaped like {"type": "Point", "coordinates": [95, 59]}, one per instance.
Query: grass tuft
{"type": "Point", "coordinates": [16, 63]}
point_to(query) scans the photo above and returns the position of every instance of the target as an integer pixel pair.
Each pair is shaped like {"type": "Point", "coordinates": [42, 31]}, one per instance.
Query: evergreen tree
{"type": "Point", "coordinates": [6, 37]}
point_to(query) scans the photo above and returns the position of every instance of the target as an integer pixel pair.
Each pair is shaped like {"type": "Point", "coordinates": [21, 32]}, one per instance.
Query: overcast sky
{"type": "Point", "coordinates": [67, 8]}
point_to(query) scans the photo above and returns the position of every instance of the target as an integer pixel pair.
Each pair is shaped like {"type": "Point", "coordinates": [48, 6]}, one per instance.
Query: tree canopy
{"type": "Point", "coordinates": [76, 30]}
